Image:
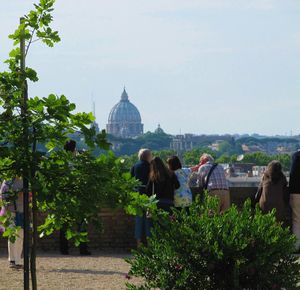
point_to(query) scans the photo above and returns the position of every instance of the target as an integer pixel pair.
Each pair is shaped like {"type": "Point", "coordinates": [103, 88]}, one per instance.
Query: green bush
{"type": "Point", "coordinates": [203, 249]}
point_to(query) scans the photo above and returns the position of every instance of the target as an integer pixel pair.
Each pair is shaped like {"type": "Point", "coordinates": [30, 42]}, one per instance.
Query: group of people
{"type": "Point", "coordinates": [170, 183]}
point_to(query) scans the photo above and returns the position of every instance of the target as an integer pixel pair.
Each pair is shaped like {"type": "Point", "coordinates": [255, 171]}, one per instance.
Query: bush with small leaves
{"type": "Point", "coordinates": [202, 249]}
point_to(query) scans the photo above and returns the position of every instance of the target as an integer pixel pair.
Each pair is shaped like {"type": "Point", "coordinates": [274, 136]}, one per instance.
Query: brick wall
{"type": "Point", "coordinates": [118, 228]}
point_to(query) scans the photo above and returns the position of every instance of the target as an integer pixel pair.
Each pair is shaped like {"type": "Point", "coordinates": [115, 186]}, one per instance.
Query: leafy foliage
{"type": "Point", "coordinates": [154, 141]}
{"type": "Point", "coordinates": [69, 188]}
{"type": "Point", "coordinates": [192, 157]}
{"type": "Point", "coordinates": [260, 158]}
{"type": "Point", "coordinates": [75, 188]}
{"type": "Point", "coordinates": [202, 249]}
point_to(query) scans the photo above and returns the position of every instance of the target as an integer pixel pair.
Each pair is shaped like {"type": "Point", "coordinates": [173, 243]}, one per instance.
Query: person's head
{"type": "Point", "coordinates": [174, 163]}
{"type": "Point", "coordinates": [145, 155]}
{"type": "Point", "coordinates": [206, 158]}
{"type": "Point", "coordinates": [70, 146]}
{"type": "Point", "coordinates": [158, 170]}
{"type": "Point", "coordinates": [274, 171]}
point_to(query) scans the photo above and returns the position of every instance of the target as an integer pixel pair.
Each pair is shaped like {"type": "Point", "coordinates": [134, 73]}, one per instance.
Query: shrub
{"type": "Point", "coordinates": [203, 249]}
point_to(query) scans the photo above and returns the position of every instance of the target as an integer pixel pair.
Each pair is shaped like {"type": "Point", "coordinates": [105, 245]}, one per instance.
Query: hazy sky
{"type": "Point", "coordinates": [195, 66]}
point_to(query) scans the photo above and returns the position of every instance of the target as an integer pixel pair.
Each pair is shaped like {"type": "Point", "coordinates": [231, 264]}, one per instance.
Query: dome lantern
{"type": "Point", "coordinates": [124, 96]}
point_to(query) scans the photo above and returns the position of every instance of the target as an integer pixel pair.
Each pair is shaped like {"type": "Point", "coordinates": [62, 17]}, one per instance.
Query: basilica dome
{"type": "Point", "coordinates": [124, 119]}
{"type": "Point", "coordinates": [124, 111]}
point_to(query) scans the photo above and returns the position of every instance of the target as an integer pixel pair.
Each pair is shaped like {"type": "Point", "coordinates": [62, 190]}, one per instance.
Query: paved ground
{"type": "Point", "coordinates": [100, 271]}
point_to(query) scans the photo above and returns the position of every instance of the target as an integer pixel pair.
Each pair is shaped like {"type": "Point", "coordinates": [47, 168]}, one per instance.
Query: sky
{"type": "Point", "coordinates": [192, 66]}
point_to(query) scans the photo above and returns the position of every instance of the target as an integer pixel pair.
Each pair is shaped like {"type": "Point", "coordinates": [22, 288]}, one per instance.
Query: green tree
{"type": "Point", "coordinates": [68, 188]}
{"type": "Point", "coordinates": [257, 158]}
{"type": "Point", "coordinates": [192, 157]}
{"type": "Point", "coordinates": [164, 154]}
{"type": "Point", "coordinates": [225, 158]}
{"type": "Point", "coordinates": [155, 141]}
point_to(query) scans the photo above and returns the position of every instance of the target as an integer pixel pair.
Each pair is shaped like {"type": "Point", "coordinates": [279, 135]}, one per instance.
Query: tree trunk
{"type": "Point", "coordinates": [26, 159]}
{"type": "Point", "coordinates": [34, 242]}
{"type": "Point", "coordinates": [34, 215]}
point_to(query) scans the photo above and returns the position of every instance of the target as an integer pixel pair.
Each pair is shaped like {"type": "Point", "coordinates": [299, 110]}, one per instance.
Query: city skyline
{"type": "Point", "coordinates": [211, 67]}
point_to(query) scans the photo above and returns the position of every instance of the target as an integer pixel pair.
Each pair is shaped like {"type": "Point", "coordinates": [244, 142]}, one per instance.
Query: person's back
{"type": "Point", "coordinates": [183, 196]}
{"type": "Point", "coordinates": [273, 195]}
{"type": "Point", "coordinates": [162, 183]}
{"type": "Point", "coordinates": [211, 177]}
{"type": "Point", "coordinates": [141, 172]}
{"type": "Point", "coordinates": [217, 179]}
{"type": "Point", "coordinates": [164, 189]}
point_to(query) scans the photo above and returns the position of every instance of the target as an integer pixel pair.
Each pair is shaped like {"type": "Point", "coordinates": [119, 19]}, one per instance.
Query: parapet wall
{"type": "Point", "coordinates": [118, 228]}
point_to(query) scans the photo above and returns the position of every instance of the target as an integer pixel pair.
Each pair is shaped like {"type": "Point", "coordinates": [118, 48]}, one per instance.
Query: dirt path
{"type": "Point", "coordinates": [100, 271]}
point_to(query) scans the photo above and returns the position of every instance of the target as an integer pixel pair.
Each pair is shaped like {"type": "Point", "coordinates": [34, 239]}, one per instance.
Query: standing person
{"type": "Point", "coordinates": [211, 177]}
{"type": "Point", "coordinates": [162, 183]}
{"type": "Point", "coordinates": [70, 146]}
{"type": "Point", "coordinates": [183, 196]}
{"type": "Point", "coordinates": [15, 206]}
{"type": "Point", "coordinates": [202, 160]}
{"type": "Point", "coordinates": [141, 172]}
{"type": "Point", "coordinates": [294, 190]}
{"type": "Point", "coordinates": [272, 192]}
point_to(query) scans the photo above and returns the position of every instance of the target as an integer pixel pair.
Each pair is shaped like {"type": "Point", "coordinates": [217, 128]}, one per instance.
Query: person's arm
{"type": "Point", "coordinates": [195, 168]}
{"type": "Point", "coordinates": [259, 191]}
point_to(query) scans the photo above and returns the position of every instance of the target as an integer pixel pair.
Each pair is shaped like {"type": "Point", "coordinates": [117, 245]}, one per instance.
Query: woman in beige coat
{"type": "Point", "coordinates": [272, 192]}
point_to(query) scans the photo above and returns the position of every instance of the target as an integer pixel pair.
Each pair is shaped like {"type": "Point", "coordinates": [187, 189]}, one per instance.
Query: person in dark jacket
{"type": "Point", "coordinates": [141, 172]}
{"type": "Point", "coordinates": [162, 183]}
{"type": "Point", "coordinates": [70, 146]}
{"type": "Point", "coordinates": [294, 190]}
{"type": "Point", "coordinates": [273, 192]}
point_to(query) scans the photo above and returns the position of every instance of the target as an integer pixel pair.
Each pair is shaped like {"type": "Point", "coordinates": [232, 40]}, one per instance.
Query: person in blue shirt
{"type": "Point", "coordinates": [183, 196]}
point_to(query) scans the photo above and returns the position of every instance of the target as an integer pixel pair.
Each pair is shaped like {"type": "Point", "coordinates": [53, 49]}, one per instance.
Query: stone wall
{"type": "Point", "coordinates": [118, 228]}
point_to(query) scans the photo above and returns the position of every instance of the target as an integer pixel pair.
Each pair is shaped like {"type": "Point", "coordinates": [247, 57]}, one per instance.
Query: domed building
{"type": "Point", "coordinates": [124, 119]}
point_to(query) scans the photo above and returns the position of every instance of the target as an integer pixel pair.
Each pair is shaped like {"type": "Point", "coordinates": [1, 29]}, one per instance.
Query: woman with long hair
{"type": "Point", "coordinates": [272, 192]}
{"type": "Point", "coordinates": [162, 183]}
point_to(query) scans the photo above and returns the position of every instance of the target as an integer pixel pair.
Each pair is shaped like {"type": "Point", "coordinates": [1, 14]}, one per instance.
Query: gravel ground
{"type": "Point", "coordinates": [99, 271]}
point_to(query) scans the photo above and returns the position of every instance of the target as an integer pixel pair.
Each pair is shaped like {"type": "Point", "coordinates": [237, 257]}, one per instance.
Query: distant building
{"type": "Point", "coordinates": [259, 170]}
{"type": "Point", "coordinates": [252, 148]}
{"type": "Point", "coordinates": [159, 130]}
{"type": "Point", "coordinates": [181, 143]}
{"type": "Point", "coordinates": [124, 119]}
{"type": "Point", "coordinates": [216, 145]}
